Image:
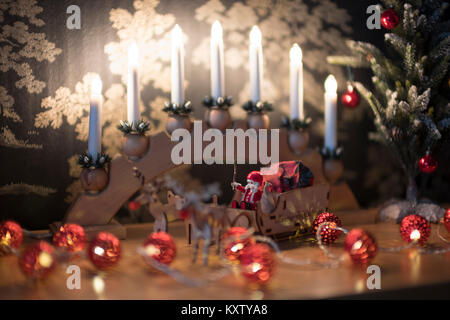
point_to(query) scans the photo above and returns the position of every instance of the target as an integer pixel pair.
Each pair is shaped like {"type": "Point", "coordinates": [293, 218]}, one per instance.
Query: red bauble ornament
{"type": "Point", "coordinates": [134, 205]}
{"type": "Point", "coordinates": [37, 260]}
{"type": "Point", "coordinates": [70, 236]}
{"type": "Point", "coordinates": [235, 242]}
{"type": "Point", "coordinates": [428, 163]}
{"type": "Point", "coordinates": [328, 234]}
{"type": "Point", "coordinates": [257, 263]}
{"type": "Point", "coordinates": [415, 227]}
{"type": "Point", "coordinates": [104, 250]}
{"type": "Point", "coordinates": [389, 19]}
{"type": "Point", "coordinates": [11, 235]}
{"type": "Point", "coordinates": [161, 247]}
{"type": "Point", "coordinates": [350, 99]}
{"type": "Point", "coordinates": [361, 246]}
{"type": "Point", "coordinates": [447, 220]}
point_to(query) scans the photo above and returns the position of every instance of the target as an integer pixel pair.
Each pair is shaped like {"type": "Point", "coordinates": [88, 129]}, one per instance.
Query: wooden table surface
{"type": "Point", "coordinates": [133, 279]}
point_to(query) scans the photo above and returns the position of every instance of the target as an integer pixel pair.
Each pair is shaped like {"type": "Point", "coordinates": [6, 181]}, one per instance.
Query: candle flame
{"type": "Point", "coordinates": [216, 31]}
{"type": "Point", "coordinates": [255, 36]}
{"type": "Point", "coordinates": [96, 86]}
{"type": "Point", "coordinates": [296, 53]}
{"type": "Point", "coordinates": [177, 35]}
{"type": "Point", "coordinates": [133, 54]}
{"type": "Point", "coordinates": [331, 84]}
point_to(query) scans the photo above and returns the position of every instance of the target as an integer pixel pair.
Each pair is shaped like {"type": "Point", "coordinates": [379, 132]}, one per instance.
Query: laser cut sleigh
{"type": "Point", "coordinates": [293, 213]}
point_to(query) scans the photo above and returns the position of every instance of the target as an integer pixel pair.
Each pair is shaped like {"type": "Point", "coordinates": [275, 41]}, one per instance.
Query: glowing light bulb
{"type": "Point", "coordinates": [255, 36]}
{"type": "Point", "coordinates": [415, 235]}
{"type": "Point", "coordinates": [237, 247]}
{"type": "Point", "coordinates": [296, 54]}
{"type": "Point", "coordinates": [45, 259]}
{"type": "Point", "coordinates": [152, 250]}
{"type": "Point", "coordinates": [133, 55]}
{"type": "Point", "coordinates": [255, 267]}
{"type": "Point", "coordinates": [330, 84]}
{"type": "Point", "coordinates": [99, 251]}
{"type": "Point", "coordinates": [96, 86]}
{"type": "Point", "coordinates": [357, 245]}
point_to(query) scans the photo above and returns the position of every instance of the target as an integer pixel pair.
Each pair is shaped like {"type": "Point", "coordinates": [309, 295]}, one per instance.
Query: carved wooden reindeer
{"type": "Point", "coordinates": [206, 221]}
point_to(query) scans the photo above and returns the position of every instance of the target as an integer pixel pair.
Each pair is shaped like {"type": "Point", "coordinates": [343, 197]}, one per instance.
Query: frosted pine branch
{"type": "Point", "coordinates": [354, 62]}
{"type": "Point", "coordinates": [398, 43]}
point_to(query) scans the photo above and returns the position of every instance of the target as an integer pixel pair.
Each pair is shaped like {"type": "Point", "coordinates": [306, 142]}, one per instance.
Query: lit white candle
{"type": "Point", "coordinates": [256, 64]}
{"type": "Point", "coordinates": [95, 119]}
{"type": "Point", "coordinates": [133, 88]}
{"type": "Point", "coordinates": [217, 62]}
{"type": "Point", "coordinates": [296, 73]}
{"type": "Point", "coordinates": [330, 113]}
{"type": "Point", "coordinates": [177, 66]}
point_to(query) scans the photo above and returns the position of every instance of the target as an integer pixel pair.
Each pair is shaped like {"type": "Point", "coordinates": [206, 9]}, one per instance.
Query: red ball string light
{"type": "Point", "coordinates": [11, 236]}
{"type": "Point", "coordinates": [104, 250]}
{"type": "Point", "coordinates": [446, 220]}
{"type": "Point", "coordinates": [37, 260]}
{"type": "Point", "coordinates": [361, 246]}
{"type": "Point", "coordinates": [70, 236]}
{"type": "Point", "coordinates": [161, 247]}
{"type": "Point", "coordinates": [328, 233]}
{"type": "Point", "coordinates": [415, 228]}
{"type": "Point", "coordinates": [257, 263]}
{"type": "Point", "coordinates": [235, 240]}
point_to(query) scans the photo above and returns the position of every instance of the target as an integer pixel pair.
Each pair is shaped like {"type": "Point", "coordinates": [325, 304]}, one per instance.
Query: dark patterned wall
{"type": "Point", "coordinates": [45, 70]}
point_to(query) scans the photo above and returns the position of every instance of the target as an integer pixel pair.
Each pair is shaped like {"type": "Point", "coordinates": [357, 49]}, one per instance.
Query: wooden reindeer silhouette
{"type": "Point", "coordinates": [206, 221]}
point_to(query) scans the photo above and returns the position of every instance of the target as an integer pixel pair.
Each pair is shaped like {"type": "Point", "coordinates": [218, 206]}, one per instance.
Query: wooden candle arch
{"type": "Point", "coordinates": [96, 211]}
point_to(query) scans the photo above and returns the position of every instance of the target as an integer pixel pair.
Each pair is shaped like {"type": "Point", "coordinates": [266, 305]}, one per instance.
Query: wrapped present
{"type": "Point", "coordinates": [289, 175]}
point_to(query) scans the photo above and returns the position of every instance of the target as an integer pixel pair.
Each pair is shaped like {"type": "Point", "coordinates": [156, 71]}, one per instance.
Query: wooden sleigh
{"type": "Point", "coordinates": [293, 215]}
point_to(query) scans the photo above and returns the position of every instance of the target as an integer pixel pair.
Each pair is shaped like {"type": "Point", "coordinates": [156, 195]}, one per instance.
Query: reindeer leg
{"type": "Point", "coordinates": [207, 236]}
{"type": "Point", "coordinates": [218, 242]}
{"type": "Point", "coordinates": [161, 223]}
{"type": "Point", "coordinates": [195, 250]}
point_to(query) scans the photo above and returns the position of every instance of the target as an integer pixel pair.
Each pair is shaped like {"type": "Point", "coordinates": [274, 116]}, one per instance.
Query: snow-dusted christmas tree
{"type": "Point", "coordinates": [410, 101]}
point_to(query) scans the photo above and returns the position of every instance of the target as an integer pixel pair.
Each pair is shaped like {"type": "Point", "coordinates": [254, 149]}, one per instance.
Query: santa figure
{"type": "Point", "coordinates": [251, 192]}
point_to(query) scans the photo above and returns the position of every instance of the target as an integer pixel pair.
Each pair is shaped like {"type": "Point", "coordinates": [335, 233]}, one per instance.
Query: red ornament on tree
{"type": "Point", "coordinates": [37, 260]}
{"type": "Point", "coordinates": [415, 228]}
{"type": "Point", "coordinates": [11, 235]}
{"type": "Point", "coordinates": [70, 236]}
{"type": "Point", "coordinates": [236, 239]}
{"type": "Point", "coordinates": [361, 246]}
{"type": "Point", "coordinates": [161, 247]}
{"type": "Point", "coordinates": [104, 250]}
{"type": "Point", "coordinates": [350, 99]}
{"type": "Point", "coordinates": [257, 263]}
{"type": "Point", "coordinates": [428, 163]}
{"type": "Point", "coordinates": [447, 220]}
{"type": "Point", "coordinates": [328, 233]}
{"type": "Point", "coordinates": [134, 205]}
{"type": "Point", "coordinates": [389, 19]}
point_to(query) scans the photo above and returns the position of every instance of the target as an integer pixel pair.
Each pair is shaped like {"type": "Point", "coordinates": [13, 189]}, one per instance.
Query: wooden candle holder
{"type": "Point", "coordinates": [298, 140]}
{"type": "Point", "coordinates": [96, 212]}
